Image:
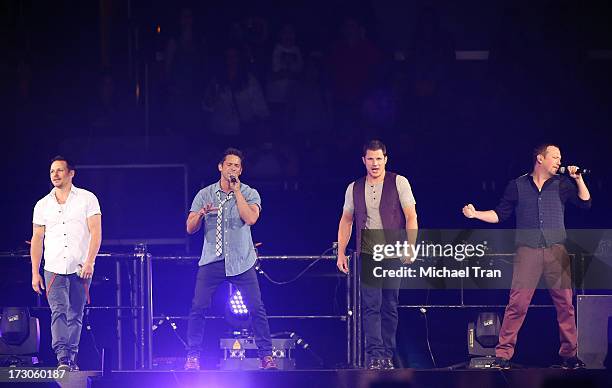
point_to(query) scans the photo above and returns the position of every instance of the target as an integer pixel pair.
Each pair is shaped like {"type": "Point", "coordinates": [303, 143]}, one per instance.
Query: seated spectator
{"type": "Point", "coordinates": [354, 63]}
{"type": "Point", "coordinates": [309, 103]}
{"type": "Point", "coordinates": [235, 100]}
{"type": "Point", "coordinates": [186, 73]}
{"type": "Point", "coordinates": [286, 66]}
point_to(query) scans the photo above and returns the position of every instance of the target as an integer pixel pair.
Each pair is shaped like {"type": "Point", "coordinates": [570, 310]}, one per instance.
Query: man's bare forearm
{"type": "Point", "coordinates": [489, 216]}
{"type": "Point", "coordinates": [94, 247]}
{"type": "Point", "coordinates": [412, 229]}
{"type": "Point", "coordinates": [583, 190]}
{"type": "Point", "coordinates": [344, 235]}
{"type": "Point", "coordinates": [248, 215]}
{"type": "Point", "coordinates": [36, 249]}
{"type": "Point", "coordinates": [194, 222]}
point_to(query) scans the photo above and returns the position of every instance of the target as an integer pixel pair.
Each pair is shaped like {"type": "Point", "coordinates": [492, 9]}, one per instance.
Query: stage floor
{"type": "Point", "coordinates": [354, 378]}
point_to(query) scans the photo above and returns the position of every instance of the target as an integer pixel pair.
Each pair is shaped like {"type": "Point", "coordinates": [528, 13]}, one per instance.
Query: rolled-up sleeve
{"type": "Point", "coordinates": [253, 198]}
{"type": "Point", "coordinates": [38, 217]}
{"type": "Point", "coordinates": [569, 193]}
{"type": "Point", "coordinates": [198, 202]}
{"type": "Point", "coordinates": [93, 205]}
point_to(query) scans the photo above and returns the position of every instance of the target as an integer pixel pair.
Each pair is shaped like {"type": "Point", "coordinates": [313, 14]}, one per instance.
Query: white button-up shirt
{"type": "Point", "coordinates": [67, 235]}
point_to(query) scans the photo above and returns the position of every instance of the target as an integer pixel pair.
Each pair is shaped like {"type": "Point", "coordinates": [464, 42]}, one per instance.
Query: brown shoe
{"type": "Point", "coordinates": [268, 363]}
{"type": "Point", "coordinates": [572, 363]}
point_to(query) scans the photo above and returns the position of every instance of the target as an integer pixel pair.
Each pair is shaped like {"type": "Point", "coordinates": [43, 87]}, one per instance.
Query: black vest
{"type": "Point", "coordinates": [391, 212]}
{"type": "Point", "coordinates": [539, 215]}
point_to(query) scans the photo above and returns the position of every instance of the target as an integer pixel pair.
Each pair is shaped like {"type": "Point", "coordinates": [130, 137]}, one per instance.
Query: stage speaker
{"type": "Point", "coordinates": [593, 312]}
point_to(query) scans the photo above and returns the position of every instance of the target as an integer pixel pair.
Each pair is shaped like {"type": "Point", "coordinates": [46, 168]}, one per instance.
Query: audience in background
{"type": "Point", "coordinates": [235, 101]}
{"type": "Point", "coordinates": [186, 74]}
{"type": "Point", "coordinates": [354, 62]}
{"type": "Point", "coordinates": [311, 85]}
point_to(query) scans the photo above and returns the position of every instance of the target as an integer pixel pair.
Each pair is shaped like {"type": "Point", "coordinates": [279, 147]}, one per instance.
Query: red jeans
{"type": "Point", "coordinates": [529, 265]}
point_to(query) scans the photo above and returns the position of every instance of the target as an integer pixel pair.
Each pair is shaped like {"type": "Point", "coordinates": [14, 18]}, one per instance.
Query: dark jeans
{"type": "Point", "coordinates": [67, 295]}
{"type": "Point", "coordinates": [379, 311]}
{"type": "Point", "coordinates": [210, 276]}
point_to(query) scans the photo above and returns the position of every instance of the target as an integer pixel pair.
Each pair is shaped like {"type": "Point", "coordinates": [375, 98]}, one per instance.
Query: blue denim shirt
{"type": "Point", "coordinates": [238, 249]}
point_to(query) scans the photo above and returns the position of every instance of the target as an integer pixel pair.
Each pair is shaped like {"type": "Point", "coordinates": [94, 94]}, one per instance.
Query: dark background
{"type": "Point", "coordinates": [91, 81]}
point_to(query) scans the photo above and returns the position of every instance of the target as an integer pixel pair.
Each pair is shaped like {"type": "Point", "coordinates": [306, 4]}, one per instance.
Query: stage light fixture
{"type": "Point", "coordinates": [482, 337]}
{"type": "Point", "coordinates": [19, 337]}
{"type": "Point", "coordinates": [236, 313]}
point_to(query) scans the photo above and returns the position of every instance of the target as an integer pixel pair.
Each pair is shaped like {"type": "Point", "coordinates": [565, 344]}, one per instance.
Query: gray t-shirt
{"type": "Point", "coordinates": [372, 199]}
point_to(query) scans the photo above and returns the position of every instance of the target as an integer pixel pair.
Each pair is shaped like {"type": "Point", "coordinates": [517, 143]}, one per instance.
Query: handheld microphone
{"type": "Point", "coordinates": [579, 171]}
{"type": "Point", "coordinates": [233, 179]}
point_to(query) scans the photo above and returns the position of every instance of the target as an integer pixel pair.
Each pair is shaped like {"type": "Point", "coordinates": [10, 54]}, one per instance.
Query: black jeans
{"type": "Point", "coordinates": [210, 276]}
{"type": "Point", "coordinates": [379, 300]}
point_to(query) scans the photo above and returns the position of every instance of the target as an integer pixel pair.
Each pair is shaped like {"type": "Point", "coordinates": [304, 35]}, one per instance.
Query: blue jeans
{"type": "Point", "coordinates": [209, 277]}
{"type": "Point", "coordinates": [67, 295]}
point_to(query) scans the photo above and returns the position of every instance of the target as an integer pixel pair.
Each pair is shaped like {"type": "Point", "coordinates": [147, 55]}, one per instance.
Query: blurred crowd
{"type": "Point", "coordinates": [298, 98]}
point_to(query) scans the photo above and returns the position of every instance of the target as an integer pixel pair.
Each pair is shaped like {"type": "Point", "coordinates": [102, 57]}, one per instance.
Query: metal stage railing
{"type": "Point", "coordinates": [350, 317]}
{"type": "Point", "coordinates": [357, 342]}
{"type": "Point", "coordinates": [142, 304]}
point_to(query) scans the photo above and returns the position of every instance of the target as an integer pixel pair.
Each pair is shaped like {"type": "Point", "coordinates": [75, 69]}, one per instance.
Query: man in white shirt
{"type": "Point", "coordinates": [69, 221]}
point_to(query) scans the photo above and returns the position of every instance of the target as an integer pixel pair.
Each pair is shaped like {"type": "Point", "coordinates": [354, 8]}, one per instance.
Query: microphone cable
{"type": "Point", "coordinates": [259, 269]}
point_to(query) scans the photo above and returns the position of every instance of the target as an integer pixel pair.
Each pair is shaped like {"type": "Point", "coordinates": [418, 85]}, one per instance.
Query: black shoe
{"type": "Point", "coordinates": [73, 366]}
{"type": "Point", "coordinates": [572, 363]}
{"type": "Point", "coordinates": [500, 363]}
{"type": "Point", "coordinates": [64, 364]}
{"type": "Point", "coordinates": [387, 364]}
{"type": "Point", "coordinates": [375, 364]}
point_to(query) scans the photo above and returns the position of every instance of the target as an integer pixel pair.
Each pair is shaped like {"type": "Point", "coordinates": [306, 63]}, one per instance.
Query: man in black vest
{"type": "Point", "coordinates": [380, 200]}
{"type": "Point", "coordinates": [538, 200]}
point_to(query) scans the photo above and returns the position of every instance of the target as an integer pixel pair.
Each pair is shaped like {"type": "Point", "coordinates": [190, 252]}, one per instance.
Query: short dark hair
{"type": "Point", "coordinates": [541, 150]}
{"type": "Point", "coordinates": [232, 151]}
{"type": "Point", "coordinates": [374, 145]}
{"type": "Point", "coordinates": [60, 158]}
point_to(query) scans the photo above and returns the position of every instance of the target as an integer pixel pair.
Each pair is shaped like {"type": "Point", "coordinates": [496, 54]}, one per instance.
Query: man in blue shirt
{"type": "Point", "coordinates": [227, 208]}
